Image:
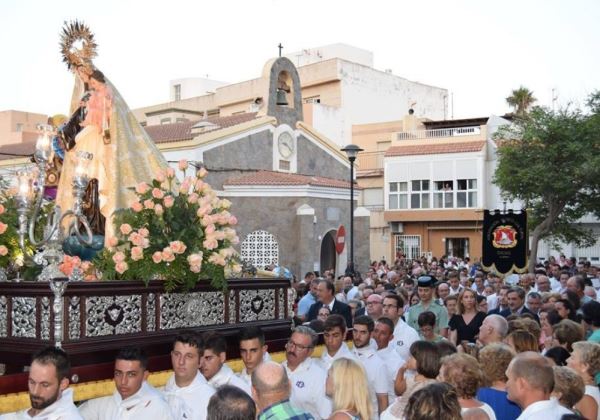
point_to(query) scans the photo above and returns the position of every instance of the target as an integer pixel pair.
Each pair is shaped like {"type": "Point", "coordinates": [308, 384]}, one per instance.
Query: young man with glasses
{"type": "Point", "coordinates": [307, 378]}
{"type": "Point", "coordinates": [404, 335]}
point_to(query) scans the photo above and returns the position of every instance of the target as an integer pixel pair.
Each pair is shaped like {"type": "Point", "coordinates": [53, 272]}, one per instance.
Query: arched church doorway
{"type": "Point", "coordinates": [328, 254]}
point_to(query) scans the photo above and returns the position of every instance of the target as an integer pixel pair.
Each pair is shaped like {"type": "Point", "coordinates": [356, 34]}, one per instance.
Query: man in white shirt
{"type": "Point", "coordinates": [377, 374]}
{"type": "Point", "coordinates": [134, 397]}
{"type": "Point", "coordinates": [186, 390]}
{"type": "Point", "coordinates": [383, 334]}
{"type": "Point", "coordinates": [530, 382]}
{"type": "Point", "coordinates": [213, 366]}
{"type": "Point", "coordinates": [48, 388]}
{"type": "Point", "coordinates": [253, 351]}
{"type": "Point", "coordinates": [454, 283]}
{"type": "Point", "coordinates": [333, 337]}
{"type": "Point", "coordinates": [307, 378]}
{"type": "Point", "coordinates": [404, 335]}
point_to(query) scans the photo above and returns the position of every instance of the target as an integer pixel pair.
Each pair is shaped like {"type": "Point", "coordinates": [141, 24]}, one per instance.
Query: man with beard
{"type": "Point", "coordinates": [134, 398]}
{"type": "Point", "coordinates": [186, 390]}
{"type": "Point", "coordinates": [48, 388]}
{"type": "Point", "coordinates": [307, 378]}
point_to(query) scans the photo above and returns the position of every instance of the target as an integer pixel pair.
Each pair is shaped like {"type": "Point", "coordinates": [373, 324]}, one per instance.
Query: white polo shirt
{"type": "Point", "coordinates": [377, 375]}
{"type": "Point", "coordinates": [404, 336]}
{"type": "Point", "coordinates": [62, 409]}
{"type": "Point", "coordinates": [226, 376]}
{"type": "Point", "coordinates": [307, 383]}
{"type": "Point", "coordinates": [245, 376]}
{"type": "Point", "coordinates": [326, 360]}
{"type": "Point", "coordinates": [393, 362]}
{"type": "Point", "coordinates": [147, 404]}
{"type": "Point", "coordinates": [544, 410]}
{"type": "Point", "coordinates": [190, 402]}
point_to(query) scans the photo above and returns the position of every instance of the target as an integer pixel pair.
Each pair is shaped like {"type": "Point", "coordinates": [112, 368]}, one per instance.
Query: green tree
{"type": "Point", "coordinates": [521, 100]}
{"type": "Point", "coordinates": [551, 162]}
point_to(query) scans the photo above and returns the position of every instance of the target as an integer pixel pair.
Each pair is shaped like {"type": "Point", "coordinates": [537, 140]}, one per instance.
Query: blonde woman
{"type": "Point", "coordinates": [585, 360]}
{"type": "Point", "coordinates": [348, 388]}
{"type": "Point", "coordinates": [464, 326]}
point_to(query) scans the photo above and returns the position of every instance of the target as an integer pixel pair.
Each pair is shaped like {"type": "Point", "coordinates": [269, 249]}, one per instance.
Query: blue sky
{"type": "Point", "coordinates": [479, 50]}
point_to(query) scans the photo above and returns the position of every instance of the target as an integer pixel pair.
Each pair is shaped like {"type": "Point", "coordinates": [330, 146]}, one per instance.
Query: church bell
{"type": "Point", "coordinates": [281, 98]}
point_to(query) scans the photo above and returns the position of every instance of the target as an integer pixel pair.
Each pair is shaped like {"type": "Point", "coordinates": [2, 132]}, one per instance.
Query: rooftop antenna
{"type": "Point", "coordinates": [280, 48]}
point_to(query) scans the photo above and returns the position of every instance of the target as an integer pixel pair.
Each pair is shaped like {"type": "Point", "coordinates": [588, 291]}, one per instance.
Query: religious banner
{"type": "Point", "coordinates": [505, 242]}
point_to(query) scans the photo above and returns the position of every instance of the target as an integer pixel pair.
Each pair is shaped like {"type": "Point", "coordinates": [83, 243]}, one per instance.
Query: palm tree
{"type": "Point", "coordinates": [521, 99]}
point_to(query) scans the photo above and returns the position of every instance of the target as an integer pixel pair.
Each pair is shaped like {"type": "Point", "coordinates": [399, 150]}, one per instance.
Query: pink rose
{"type": "Point", "coordinates": [195, 268]}
{"type": "Point", "coordinates": [184, 188]}
{"type": "Point", "coordinates": [169, 201]}
{"type": "Point", "coordinates": [168, 255]}
{"type": "Point", "coordinates": [177, 247]}
{"type": "Point", "coordinates": [149, 204]}
{"type": "Point", "coordinates": [142, 188]}
{"type": "Point", "coordinates": [183, 164]}
{"type": "Point", "coordinates": [119, 257]}
{"type": "Point", "coordinates": [227, 252]}
{"type": "Point", "coordinates": [121, 267]}
{"type": "Point", "coordinates": [217, 259]}
{"type": "Point", "coordinates": [144, 232]}
{"type": "Point", "coordinates": [202, 211]}
{"type": "Point", "coordinates": [235, 240]}
{"type": "Point", "coordinates": [195, 259]}
{"type": "Point", "coordinates": [125, 228]}
{"type": "Point", "coordinates": [137, 253]}
{"type": "Point", "coordinates": [157, 257]}
{"type": "Point", "coordinates": [170, 172]}
{"type": "Point", "coordinates": [210, 243]}
{"type": "Point", "coordinates": [158, 209]}
{"type": "Point", "coordinates": [199, 185]}
{"type": "Point", "coordinates": [3, 251]}
{"type": "Point", "coordinates": [206, 220]}
{"type": "Point", "coordinates": [113, 241]}
{"type": "Point", "coordinates": [210, 229]}
{"type": "Point", "coordinates": [233, 220]}
{"type": "Point", "coordinates": [201, 173]}
{"type": "Point", "coordinates": [225, 204]}
{"type": "Point", "coordinates": [1, 209]}
{"type": "Point", "coordinates": [137, 207]}
{"type": "Point", "coordinates": [145, 243]}
{"type": "Point", "coordinates": [192, 198]}
{"type": "Point", "coordinates": [160, 176]}
{"type": "Point", "coordinates": [157, 193]}
{"type": "Point", "coordinates": [219, 235]}
{"type": "Point", "coordinates": [3, 227]}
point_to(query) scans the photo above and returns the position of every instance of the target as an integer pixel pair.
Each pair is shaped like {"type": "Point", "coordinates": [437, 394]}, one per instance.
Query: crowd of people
{"type": "Point", "coordinates": [416, 340]}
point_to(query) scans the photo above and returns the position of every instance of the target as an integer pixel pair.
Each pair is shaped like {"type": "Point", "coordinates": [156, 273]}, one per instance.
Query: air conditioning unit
{"type": "Point", "coordinates": [396, 227]}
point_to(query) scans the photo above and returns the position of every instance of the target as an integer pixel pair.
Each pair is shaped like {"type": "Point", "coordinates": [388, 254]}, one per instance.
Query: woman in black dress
{"type": "Point", "coordinates": [464, 326]}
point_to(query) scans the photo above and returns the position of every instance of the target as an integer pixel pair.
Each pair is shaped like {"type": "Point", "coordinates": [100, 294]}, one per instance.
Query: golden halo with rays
{"type": "Point", "coordinates": [77, 44]}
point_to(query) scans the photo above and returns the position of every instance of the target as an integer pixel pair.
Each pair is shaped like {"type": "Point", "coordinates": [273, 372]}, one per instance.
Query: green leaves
{"type": "Point", "coordinates": [550, 161]}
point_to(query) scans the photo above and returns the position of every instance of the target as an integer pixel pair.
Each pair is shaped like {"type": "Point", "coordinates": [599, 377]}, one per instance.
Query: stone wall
{"type": "Point", "coordinates": [299, 236]}
{"type": "Point", "coordinates": [314, 161]}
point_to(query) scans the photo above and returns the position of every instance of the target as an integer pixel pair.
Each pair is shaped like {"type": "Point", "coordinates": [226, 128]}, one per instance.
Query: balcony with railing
{"type": "Point", "coordinates": [439, 133]}
{"type": "Point", "coordinates": [370, 161]}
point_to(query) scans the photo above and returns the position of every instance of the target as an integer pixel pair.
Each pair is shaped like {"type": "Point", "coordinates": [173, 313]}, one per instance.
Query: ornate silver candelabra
{"type": "Point", "coordinates": [59, 225]}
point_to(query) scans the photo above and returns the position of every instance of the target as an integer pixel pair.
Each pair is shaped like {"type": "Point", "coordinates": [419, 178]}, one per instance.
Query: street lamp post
{"type": "Point", "coordinates": [352, 151]}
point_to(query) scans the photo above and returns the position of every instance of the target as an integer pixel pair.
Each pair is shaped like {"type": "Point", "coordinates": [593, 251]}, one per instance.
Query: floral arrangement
{"type": "Point", "coordinates": [176, 232]}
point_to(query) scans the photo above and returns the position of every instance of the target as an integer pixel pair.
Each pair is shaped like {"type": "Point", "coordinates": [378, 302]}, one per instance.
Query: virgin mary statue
{"type": "Point", "coordinates": [123, 153]}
